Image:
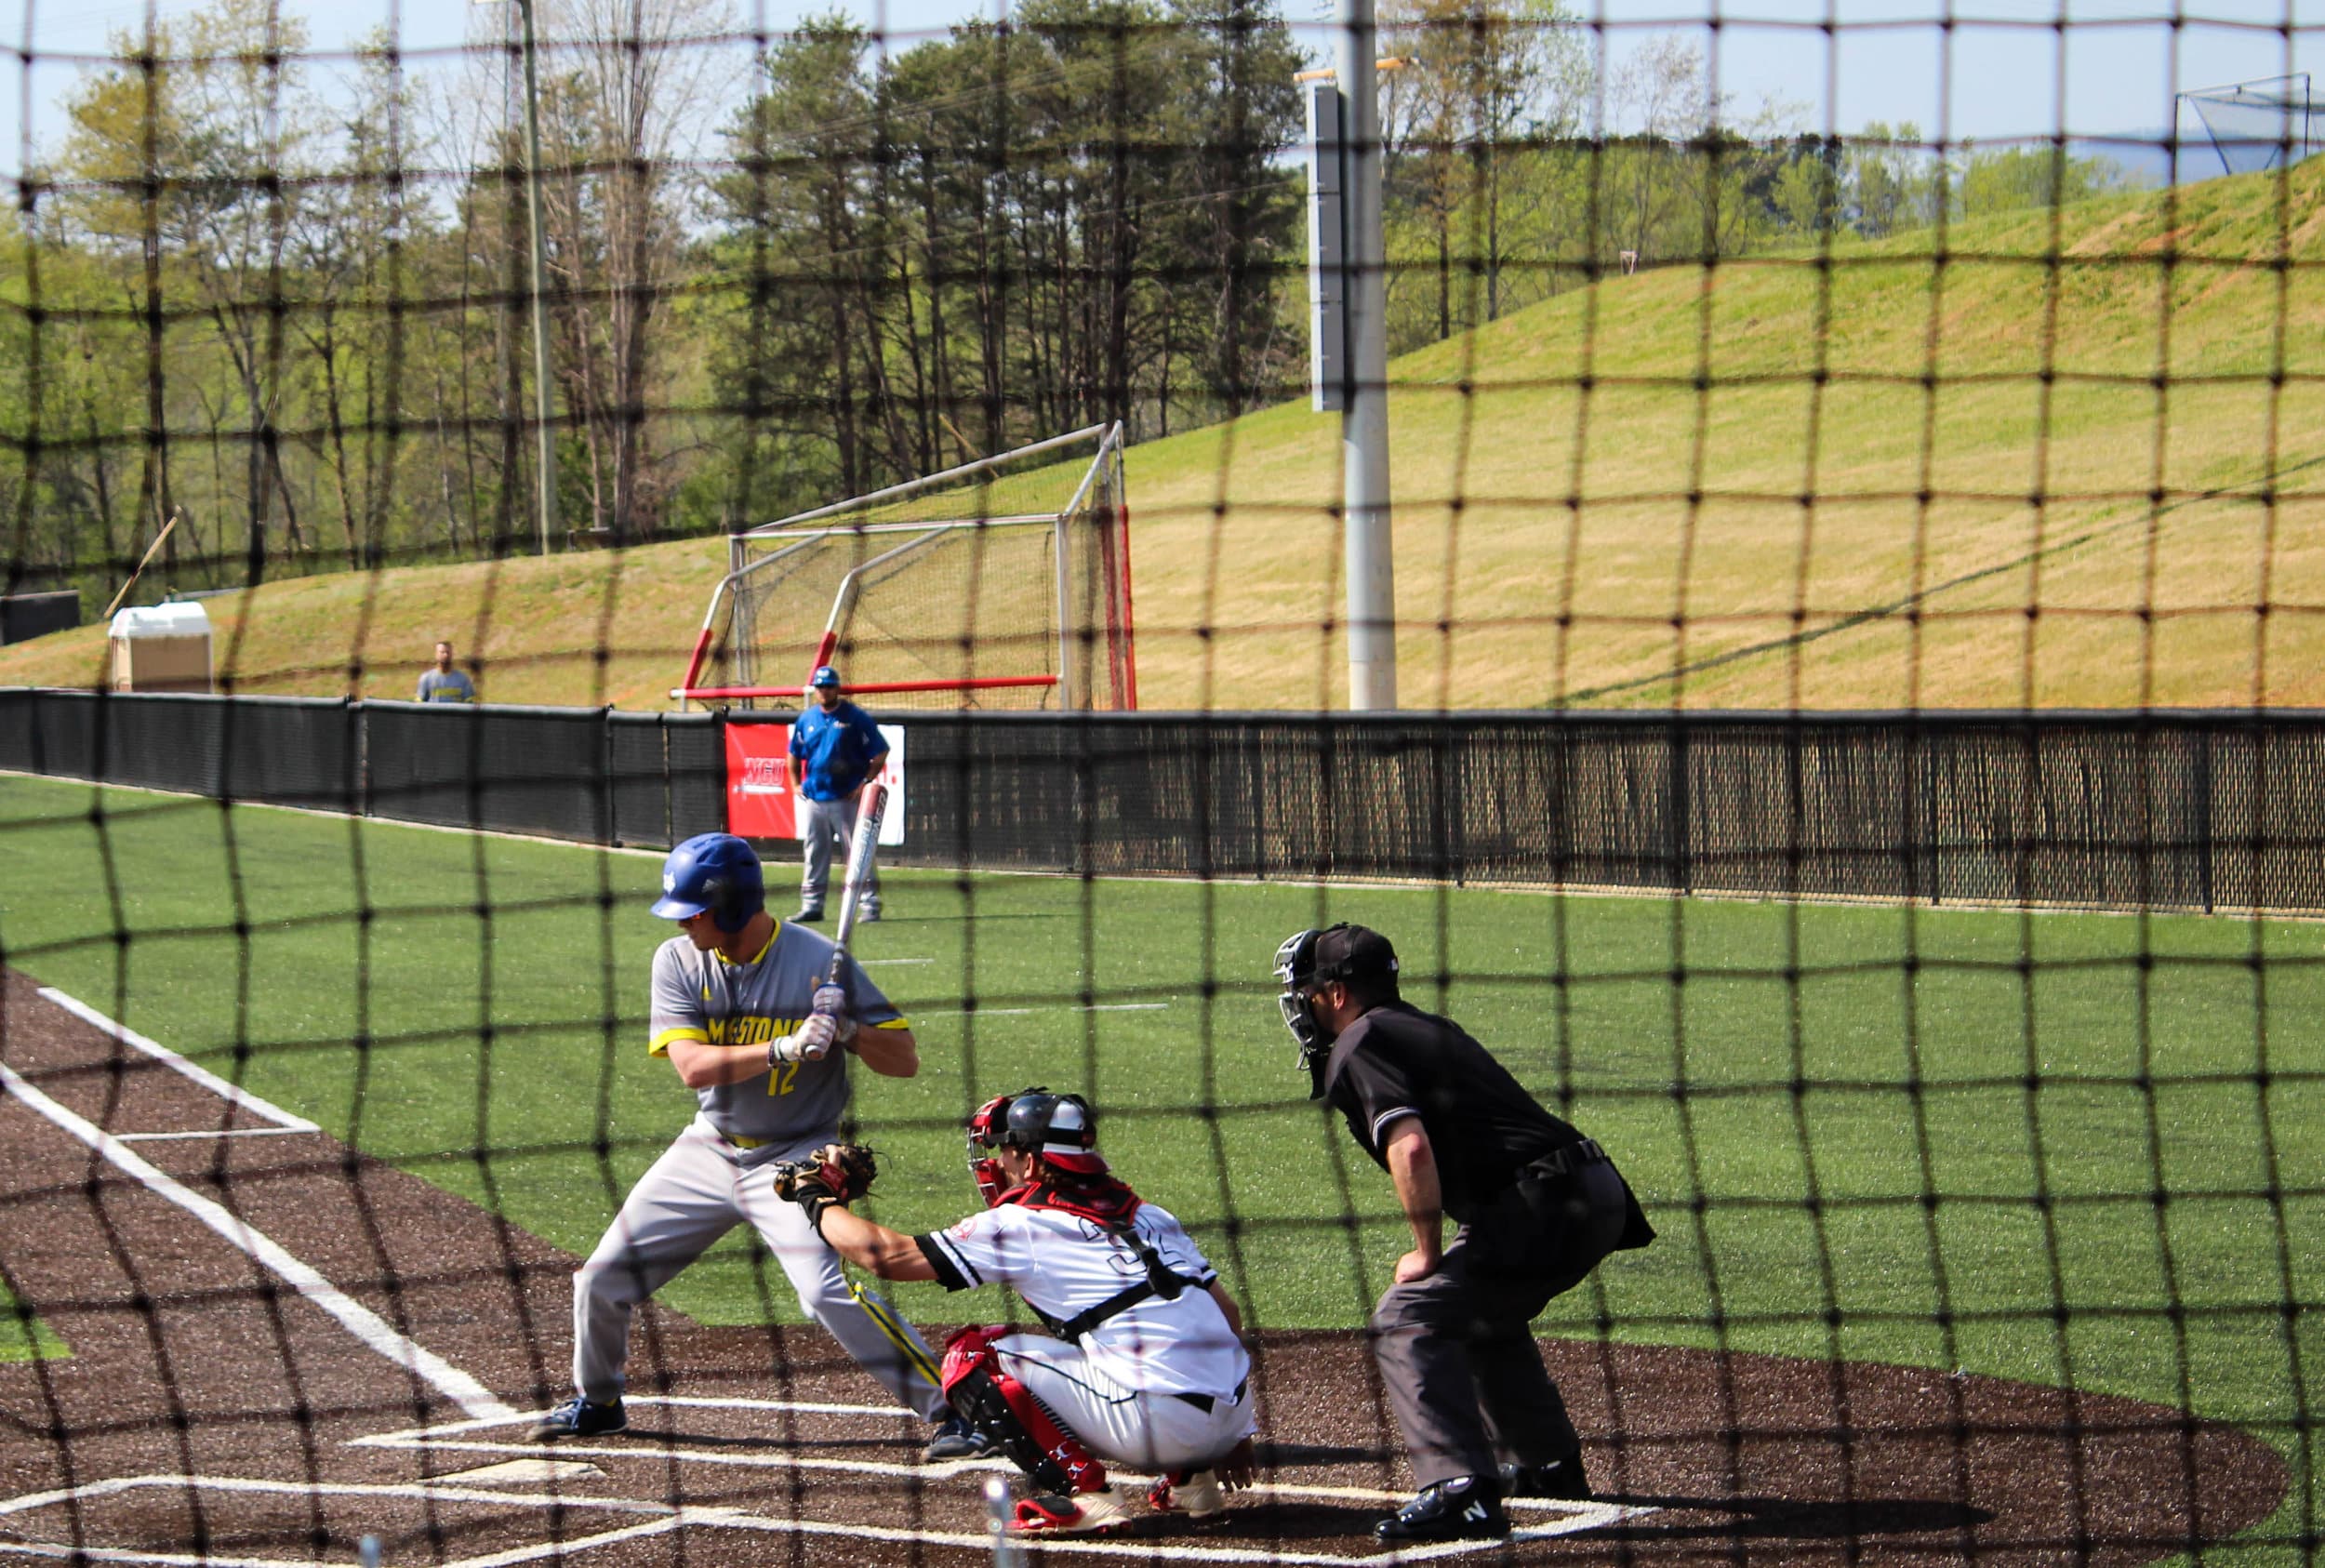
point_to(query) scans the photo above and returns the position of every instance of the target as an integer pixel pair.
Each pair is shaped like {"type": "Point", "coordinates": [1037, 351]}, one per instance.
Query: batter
{"type": "Point", "coordinates": [740, 1011]}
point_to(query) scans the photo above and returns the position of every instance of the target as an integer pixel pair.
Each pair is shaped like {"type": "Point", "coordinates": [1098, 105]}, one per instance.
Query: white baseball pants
{"type": "Point", "coordinates": [1149, 1432]}
{"type": "Point", "coordinates": [693, 1195]}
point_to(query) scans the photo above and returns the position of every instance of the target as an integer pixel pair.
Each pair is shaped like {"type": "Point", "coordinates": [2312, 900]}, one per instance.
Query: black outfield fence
{"type": "Point", "coordinates": [2180, 809]}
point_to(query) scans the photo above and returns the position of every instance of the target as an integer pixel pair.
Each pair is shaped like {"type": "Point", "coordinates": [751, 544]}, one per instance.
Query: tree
{"type": "Point", "coordinates": [199, 162]}
{"type": "Point", "coordinates": [1224, 242]}
{"type": "Point", "coordinates": [1663, 94]}
{"type": "Point", "coordinates": [625, 115]}
{"type": "Point", "coordinates": [350, 245]}
{"type": "Point", "coordinates": [791, 214]}
{"type": "Point", "coordinates": [1805, 193]}
{"type": "Point", "coordinates": [2011, 179]}
{"type": "Point", "coordinates": [1894, 181]}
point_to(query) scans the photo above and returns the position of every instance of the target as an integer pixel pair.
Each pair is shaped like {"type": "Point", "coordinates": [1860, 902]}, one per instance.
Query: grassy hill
{"type": "Point", "coordinates": [2067, 463]}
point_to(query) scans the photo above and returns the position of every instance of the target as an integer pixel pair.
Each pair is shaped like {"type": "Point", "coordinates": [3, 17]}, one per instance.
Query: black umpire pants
{"type": "Point", "coordinates": [1456, 1351]}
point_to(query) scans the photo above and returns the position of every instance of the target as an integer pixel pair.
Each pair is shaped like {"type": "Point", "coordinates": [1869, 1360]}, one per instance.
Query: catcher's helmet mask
{"type": "Point", "coordinates": [1311, 959]}
{"type": "Point", "coordinates": [716, 872]}
{"type": "Point", "coordinates": [1062, 1129]}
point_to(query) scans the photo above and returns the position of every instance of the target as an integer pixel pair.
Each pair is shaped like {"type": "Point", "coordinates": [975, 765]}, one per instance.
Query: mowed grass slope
{"type": "Point", "coordinates": [1884, 477]}
{"type": "Point", "coordinates": [2038, 1146]}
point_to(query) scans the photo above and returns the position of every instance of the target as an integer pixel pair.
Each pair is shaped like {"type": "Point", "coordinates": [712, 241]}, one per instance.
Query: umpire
{"type": "Point", "coordinates": [1537, 1205]}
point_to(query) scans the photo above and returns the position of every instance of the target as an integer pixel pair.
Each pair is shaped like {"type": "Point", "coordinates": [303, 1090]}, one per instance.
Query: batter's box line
{"type": "Point", "coordinates": [233, 1093]}
{"type": "Point", "coordinates": [664, 1518]}
{"type": "Point", "coordinates": [1572, 1517]}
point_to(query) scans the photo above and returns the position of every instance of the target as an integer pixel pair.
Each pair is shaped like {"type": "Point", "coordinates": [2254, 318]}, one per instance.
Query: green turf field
{"type": "Point", "coordinates": [2086, 1089]}
{"type": "Point", "coordinates": [24, 1337]}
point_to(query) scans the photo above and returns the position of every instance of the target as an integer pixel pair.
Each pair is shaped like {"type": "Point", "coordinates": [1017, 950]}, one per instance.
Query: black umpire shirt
{"type": "Point", "coordinates": [1483, 1128]}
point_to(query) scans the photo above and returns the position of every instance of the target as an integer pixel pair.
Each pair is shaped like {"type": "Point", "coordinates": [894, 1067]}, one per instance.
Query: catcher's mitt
{"type": "Point", "coordinates": [838, 1173]}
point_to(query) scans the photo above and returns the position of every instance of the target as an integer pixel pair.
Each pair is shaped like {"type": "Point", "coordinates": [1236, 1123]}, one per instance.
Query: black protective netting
{"type": "Point", "coordinates": [1773, 558]}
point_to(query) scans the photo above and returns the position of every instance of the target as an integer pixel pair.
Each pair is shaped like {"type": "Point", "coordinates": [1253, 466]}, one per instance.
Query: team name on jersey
{"type": "Point", "coordinates": [748, 1030]}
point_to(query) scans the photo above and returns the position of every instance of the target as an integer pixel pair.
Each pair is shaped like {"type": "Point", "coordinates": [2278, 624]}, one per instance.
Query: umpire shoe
{"type": "Point", "coordinates": [1464, 1508]}
{"type": "Point", "coordinates": [578, 1417]}
{"type": "Point", "coordinates": [955, 1439]}
{"type": "Point", "coordinates": [1561, 1478]}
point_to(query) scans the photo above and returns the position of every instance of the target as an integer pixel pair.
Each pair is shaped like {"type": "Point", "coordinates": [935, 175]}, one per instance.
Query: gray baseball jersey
{"type": "Point", "coordinates": [709, 997]}
{"type": "Point", "coordinates": [440, 685]}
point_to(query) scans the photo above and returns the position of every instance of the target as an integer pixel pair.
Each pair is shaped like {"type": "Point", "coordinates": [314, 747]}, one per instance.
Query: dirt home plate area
{"type": "Point", "coordinates": [279, 1347]}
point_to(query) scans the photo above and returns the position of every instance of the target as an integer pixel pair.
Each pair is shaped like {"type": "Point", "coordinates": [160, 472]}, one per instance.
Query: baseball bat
{"type": "Point", "coordinates": [869, 808]}
{"type": "Point", "coordinates": [142, 564]}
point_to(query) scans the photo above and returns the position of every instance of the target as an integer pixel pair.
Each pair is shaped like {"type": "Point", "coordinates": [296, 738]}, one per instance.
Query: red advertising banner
{"type": "Point", "coordinates": [758, 781]}
{"type": "Point", "coordinates": [759, 800]}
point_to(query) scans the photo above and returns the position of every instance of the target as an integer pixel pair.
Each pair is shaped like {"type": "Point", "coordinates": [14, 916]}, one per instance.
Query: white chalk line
{"type": "Point", "coordinates": [357, 1319]}
{"type": "Point", "coordinates": [1573, 1515]}
{"type": "Point", "coordinates": [284, 1122]}
{"type": "Point", "coordinates": [663, 1517]}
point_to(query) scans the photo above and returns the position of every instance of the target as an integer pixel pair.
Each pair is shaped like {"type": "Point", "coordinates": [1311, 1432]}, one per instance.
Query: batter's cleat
{"type": "Point", "coordinates": [955, 1439]}
{"type": "Point", "coordinates": [578, 1417]}
{"type": "Point", "coordinates": [1084, 1513]}
{"type": "Point", "coordinates": [809, 914]}
{"type": "Point", "coordinates": [1561, 1478]}
{"type": "Point", "coordinates": [1464, 1508]}
{"type": "Point", "coordinates": [1195, 1495]}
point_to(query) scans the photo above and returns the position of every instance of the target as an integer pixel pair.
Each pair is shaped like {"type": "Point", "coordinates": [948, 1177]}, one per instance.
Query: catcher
{"type": "Point", "coordinates": [1144, 1365]}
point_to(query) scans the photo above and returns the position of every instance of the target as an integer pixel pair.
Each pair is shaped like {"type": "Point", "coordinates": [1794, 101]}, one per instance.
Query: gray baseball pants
{"type": "Point", "coordinates": [1456, 1351]}
{"type": "Point", "coordinates": [695, 1193]}
{"type": "Point", "coordinates": [822, 824]}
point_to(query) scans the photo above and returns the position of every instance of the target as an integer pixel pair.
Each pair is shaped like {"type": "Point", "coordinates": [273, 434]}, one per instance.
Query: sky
{"type": "Point", "coordinates": [1998, 71]}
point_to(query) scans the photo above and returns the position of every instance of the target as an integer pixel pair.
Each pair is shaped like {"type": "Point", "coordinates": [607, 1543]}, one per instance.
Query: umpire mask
{"type": "Point", "coordinates": [1313, 958]}
{"type": "Point", "coordinates": [1295, 970]}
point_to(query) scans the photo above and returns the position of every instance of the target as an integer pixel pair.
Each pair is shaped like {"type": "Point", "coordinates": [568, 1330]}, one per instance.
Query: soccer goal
{"type": "Point", "coordinates": [2254, 126]}
{"type": "Point", "coordinates": [1002, 583]}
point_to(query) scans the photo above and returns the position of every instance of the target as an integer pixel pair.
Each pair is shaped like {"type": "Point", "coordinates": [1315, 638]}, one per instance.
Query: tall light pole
{"type": "Point", "coordinates": [544, 435]}
{"type": "Point", "coordinates": [1348, 334]}
{"type": "Point", "coordinates": [1365, 551]}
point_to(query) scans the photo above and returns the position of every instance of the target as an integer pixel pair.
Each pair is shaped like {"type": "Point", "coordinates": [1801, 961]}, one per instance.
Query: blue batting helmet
{"type": "Point", "coordinates": [824, 676]}
{"type": "Point", "coordinates": [713, 871]}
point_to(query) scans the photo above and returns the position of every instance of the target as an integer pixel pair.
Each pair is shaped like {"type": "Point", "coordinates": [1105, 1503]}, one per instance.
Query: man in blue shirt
{"type": "Point", "coordinates": [835, 746]}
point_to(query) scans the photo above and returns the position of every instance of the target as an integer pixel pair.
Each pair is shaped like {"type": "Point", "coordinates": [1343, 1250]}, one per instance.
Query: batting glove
{"type": "Point", "coordinates": [810, 1042]}
{"type": "Point", "coordinates": [830, 1002]}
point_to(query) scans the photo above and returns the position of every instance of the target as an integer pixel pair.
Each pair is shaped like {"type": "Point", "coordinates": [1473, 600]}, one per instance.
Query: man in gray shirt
{"type": "Point", "coordinates": [741, 1009]}
{"type": "Point", "coordinates": [443, 683]}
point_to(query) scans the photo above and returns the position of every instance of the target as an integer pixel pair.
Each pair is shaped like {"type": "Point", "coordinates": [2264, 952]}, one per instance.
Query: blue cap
{"type": "Point", "coordinates": [824, 676]}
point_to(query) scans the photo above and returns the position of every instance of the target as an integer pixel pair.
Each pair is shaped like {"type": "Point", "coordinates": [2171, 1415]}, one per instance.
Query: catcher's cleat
{"type": "Point", "coordinates": [1197, 1496]}
{"type": "Point", "coordinates": [1561, 1478]}
{"type": "Point", "coordinates": [1464, 1508]}
{"type": "Point", "coordinates": [1084, 1513]}
{"type": "Point", "coordinates": [809, 914]}
{"type": "Point", "coordinates": [955, 1439]}
{"type": "Point", "coordinates": [578, 1417]}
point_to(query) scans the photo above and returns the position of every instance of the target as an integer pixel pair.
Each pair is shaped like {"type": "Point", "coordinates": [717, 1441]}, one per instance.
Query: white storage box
{"type": "Point", "coordinates": [160, 648]}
